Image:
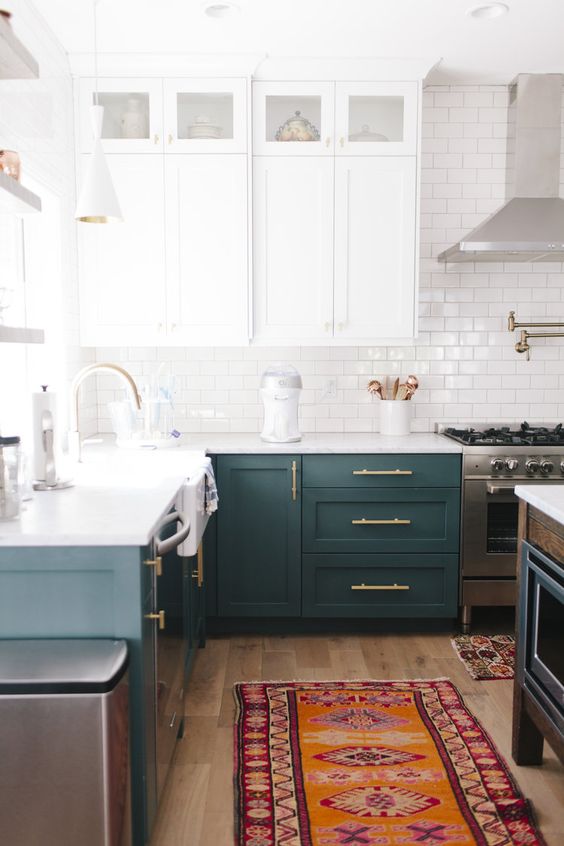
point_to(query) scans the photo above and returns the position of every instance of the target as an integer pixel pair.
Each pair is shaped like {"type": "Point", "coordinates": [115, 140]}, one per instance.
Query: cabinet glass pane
{"type": "Point", "coordinates": [126, 114]}
{"type": "Point", "coordinates": [292, 118]}
{"type": "Point", "coordinates": [375, 119]}
{"type": "Point", "coordinates": [204, 116]}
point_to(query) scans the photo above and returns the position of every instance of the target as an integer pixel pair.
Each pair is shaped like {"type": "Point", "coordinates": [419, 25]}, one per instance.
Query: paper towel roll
{"type": "Point", "coordinates": [41, 401]}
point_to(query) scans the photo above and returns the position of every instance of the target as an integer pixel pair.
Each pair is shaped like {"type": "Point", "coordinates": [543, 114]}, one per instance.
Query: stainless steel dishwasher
{"type": "Point", "coordinates": [64, 745]}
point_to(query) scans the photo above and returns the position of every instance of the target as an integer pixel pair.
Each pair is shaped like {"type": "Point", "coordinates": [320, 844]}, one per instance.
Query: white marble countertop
{"type": "Point", "coordinates": [547, 498]}
{"type": "Point", "coordinates": [216, 444]}
{"type": "Point", "coordinates": [120, 495]}
{"type": "Point", "coordinates": [118, 499]}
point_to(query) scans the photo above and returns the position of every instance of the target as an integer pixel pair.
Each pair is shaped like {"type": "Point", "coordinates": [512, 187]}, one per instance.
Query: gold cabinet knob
{"type": "Point", "coordinates": [157, 563]}
{"type": "Point", "coordinates": [340, 327]}
{"type": "Point", "coordinates": [156, 138]}
{"type": "Point", "coordinates": [342, 142]}
{"type": "Point", "coordinates": [327, 142]}
{"type": "Point", "coordinates": [160, 616]}
{"type": "Point", "coordinates": [327, 326]}
{"type": "Point", "coordinates": [170, 137]}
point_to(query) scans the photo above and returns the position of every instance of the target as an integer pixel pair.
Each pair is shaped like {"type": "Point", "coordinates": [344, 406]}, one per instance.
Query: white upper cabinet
{"type": "Point", "coordinates": [375, 257]}
{"type": "Point", "coordinates": [133, 114]}
{"type": "Point", "coordinates": [206, 247]}
{"type": "Point", "coordinates": [376, 118]}
{"type": "Point", "coordinates": [205, 115]}
{"type": "Point", "coordinates": [122, 265]}
{"type": "Point", "coordinates": [174, 115]}
{"type": "Point", "coordinates": [293, 118]}
{"type": "Point", "coordinates": [293, 255]}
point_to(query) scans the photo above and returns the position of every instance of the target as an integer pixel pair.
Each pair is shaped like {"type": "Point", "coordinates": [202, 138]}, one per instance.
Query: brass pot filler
{"type": "Point", "coordinates": [522, 345]}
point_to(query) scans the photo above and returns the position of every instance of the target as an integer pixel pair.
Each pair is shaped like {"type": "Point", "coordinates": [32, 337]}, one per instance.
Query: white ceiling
{"type": "Point", "coordinates": [528, 39]}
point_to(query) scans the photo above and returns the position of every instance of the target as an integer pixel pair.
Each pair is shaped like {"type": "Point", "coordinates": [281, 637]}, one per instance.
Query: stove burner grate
{"type": "Point", "coordinates": [525, 435]}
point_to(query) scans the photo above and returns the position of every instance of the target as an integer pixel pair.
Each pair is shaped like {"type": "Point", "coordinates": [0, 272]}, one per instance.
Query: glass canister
{"type": "Point", "coordinates": [10, 476]}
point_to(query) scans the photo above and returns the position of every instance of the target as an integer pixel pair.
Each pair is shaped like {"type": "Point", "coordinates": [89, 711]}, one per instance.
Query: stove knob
{"type": "Point", "coordinates": [532, 465]}
{"type": "Point", "coordinates": [497, 465]}
{"type": "Point", "coordinates": [562, 466]}
{"type": "Point", "coordinates": [546, 466]}
{"type": "Point", "coordinates": [511, 464]}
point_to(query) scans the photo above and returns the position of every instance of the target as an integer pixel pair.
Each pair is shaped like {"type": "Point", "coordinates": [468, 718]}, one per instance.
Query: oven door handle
{"type": "Point", "coordinates": [166, 545]}
{"type": "Point", "coordinates": [500, 489]}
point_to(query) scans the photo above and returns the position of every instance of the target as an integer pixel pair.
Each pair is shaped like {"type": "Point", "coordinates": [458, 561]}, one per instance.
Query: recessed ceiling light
{"type": "Point", "coordinates": [488, 11]}
{"type": "Point", "coordinates": [221, 8]}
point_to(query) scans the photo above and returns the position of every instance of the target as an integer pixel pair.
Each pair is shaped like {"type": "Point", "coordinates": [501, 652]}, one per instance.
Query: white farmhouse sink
{"type": "Point", "coordinates": [191, 501]}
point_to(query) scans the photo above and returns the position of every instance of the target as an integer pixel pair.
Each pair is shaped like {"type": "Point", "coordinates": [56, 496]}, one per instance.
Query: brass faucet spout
{"type": "Point", "coordinates": [74, 435]}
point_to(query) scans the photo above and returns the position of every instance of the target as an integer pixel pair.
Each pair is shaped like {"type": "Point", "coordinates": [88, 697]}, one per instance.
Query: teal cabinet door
{"type": "Point", "coordinates": [417, 520]}
{"type": "Point", "coordinates": [258, 536]}
{"type": "Point", "coordinates": [396, 585]}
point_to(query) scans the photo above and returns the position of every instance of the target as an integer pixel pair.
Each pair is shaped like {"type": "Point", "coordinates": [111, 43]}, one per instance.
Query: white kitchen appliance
{"type": "Point", "coordinates": [280, 388]}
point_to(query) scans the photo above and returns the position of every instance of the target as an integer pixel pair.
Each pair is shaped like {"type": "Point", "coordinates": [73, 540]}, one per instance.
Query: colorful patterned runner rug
{"type": "Point", "coordinates": [486, 657]}
{"type": "Point", "coordinates": [393, 763]}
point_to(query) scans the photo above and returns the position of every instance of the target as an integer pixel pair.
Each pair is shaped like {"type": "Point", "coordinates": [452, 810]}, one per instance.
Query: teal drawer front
{"type": "Point", "coordinates": [379, 585]}
{"type": "Point", "coordinates": [381, 470]}
{"type": "Point", "coordinates": [344, 520]}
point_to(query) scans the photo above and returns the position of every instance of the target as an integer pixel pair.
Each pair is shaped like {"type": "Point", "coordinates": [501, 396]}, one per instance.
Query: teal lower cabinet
{"type": "Point", "coordinates": [112, 592]}
{"type": "Point", "coordinates": [334, 536]}
{"type": "Point", "coordinates": [259, 536]}
{"type": "Point", "coordinates": [418, 520]}
{"type": "Point", "coordinates": [393, 585]}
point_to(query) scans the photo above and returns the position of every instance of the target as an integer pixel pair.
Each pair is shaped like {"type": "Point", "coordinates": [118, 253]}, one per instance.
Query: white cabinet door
{"type": "Point", "coordinates": [205, 115]}
{"type": "Point", "coordinates": [293, 118]}
{"type": "Point", "coordinates": [206, 239]}
{"type": "Point", "coordinates": [293, 248]}
{"type": "Point", "coordinates": [375, 257]}
{"type": "Point", "coordinates": [133, 114]}
{"type": "Point", "coordinates": [376, 118]}
{"type": "Point", "coordinates": [122, 265]}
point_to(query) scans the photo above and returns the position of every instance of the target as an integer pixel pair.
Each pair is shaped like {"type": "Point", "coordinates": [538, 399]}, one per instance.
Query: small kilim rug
{"type": "Point", "coordinates": [370, 762]}
{"type": "Point", "coordinates": [486, 657]}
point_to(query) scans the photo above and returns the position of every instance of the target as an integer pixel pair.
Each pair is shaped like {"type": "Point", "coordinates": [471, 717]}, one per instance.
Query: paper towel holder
{"type": "Point", "coordinates": [51, 482]}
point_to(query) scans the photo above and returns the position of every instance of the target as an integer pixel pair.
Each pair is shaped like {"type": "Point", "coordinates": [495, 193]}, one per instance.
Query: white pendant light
{"type": "Point", "coordinates": [98, 202]}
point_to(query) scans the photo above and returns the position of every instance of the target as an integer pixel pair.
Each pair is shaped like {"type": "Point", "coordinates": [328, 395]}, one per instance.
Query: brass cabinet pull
{"type": "Point", "coordinates": [160, 616]}
{"type": "Point", "coordinates": [156, 139]}
{"type": "Point", "coordinates": [379, 587]}
{"type": "Point", "coordinates": [327, 326]}
{"type": "Point", "coordinates": [342, 142]}
{"type": "Point", "coordinates": [327, 141]}
{"type": "Point", "coordinates": [199, 573]}
{"type": "Point", "coordinates": [157, 563]}
{"type": "Point", "coordinates": [170, 138]}
{"type": "Point", "coordinates": [382, 472]}
{"type": "Point", "coordinates": [294, 481]}
{"type": "Point", "coordinates": [395, 522]}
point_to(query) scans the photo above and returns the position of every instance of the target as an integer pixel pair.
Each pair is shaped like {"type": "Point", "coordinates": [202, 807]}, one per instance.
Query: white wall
{"type": "Point", "coordinates": [464, 356]}
{"type": "Point", "coordinates": [36, 119]}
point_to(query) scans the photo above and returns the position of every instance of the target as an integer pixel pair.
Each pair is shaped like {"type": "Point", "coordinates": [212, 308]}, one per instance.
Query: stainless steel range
{"type": "Point", "coordinates": [495, 459]}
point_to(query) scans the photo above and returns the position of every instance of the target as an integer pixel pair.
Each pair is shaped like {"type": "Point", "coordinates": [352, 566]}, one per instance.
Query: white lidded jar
{"type": "Point", "coordinates": [134, 122]}
{"type": "Point", "coordinates": [280, 388]}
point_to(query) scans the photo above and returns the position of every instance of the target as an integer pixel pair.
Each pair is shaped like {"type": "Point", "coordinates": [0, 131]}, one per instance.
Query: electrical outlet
{"type": "Point", "coordinates": [329, 389]}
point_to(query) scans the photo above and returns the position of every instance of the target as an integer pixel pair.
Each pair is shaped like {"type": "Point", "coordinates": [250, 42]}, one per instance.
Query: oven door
{"type": "Point", "coordinates": [489, 526]}
{"type": "Point", "coordinates": [489, 529]}
{"type": "Point", "coordinates": [541, 633]}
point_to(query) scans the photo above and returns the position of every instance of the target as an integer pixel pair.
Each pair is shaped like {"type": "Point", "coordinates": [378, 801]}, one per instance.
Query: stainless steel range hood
{"type": "Point", "coordinates": [530, 226]}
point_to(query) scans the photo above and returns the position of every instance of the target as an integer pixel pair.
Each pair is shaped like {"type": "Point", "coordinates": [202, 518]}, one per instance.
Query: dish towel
{"type": "Point", "coordinates": [212, 497]}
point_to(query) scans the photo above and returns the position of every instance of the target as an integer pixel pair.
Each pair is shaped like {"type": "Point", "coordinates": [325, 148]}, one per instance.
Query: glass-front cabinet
{"type": "Point", "coordinates": [133, 114]}
{"type": "Point", "coordinates": [205, 115]}
{"type": "Point", "coordinates": [170, 115]}
{"type": "Point", "coordinates": [293, 118]}
{"type": "Point", "coordinates": [343, 118]}
{"type": "Point", "coordinates": [376, 118]}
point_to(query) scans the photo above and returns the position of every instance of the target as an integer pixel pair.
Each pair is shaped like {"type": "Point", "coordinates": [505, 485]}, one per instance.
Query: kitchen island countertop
{"type": "Point", "coordinates": [547, 498]}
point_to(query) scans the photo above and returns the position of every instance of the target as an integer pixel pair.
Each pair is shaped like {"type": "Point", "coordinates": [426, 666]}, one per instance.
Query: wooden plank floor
{"type": "Point", "coordinates": [197, 807]}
